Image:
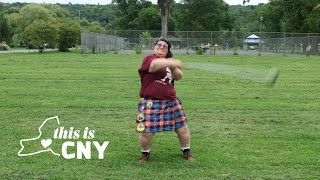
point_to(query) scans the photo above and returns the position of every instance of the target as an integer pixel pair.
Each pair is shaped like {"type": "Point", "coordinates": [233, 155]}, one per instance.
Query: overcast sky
{"type": "Point", "coordinates": [102, 2]}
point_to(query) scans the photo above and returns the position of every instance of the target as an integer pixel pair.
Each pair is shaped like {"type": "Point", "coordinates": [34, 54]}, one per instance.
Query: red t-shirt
{"type": "Point", "coordinates": [156, 85]}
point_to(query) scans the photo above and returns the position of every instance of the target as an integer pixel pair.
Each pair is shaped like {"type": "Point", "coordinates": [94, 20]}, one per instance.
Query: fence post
{"type": "Point", "coordinates": [187, 40]}
{"type": "Point", "coordinates": [235, 39]}
{"type": "Point", "coordinates": [261, 18]}
{"type": "Point", "coordinates": [308, 50]}
{"type": "Point", "coordinates": [284, 43]}
{"type": "Point", "coordinates": [284, 38]}
{"type": "Point", "coordinates": [211, 40]}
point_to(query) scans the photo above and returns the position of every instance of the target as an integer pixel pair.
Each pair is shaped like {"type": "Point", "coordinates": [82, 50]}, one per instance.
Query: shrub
{"type": "Point", "coordinates": [138, 49]}
{"type": "Point", "coordinates": [93, 49]}
{"type": "Point", "coordinates": [199, 50]}
{"type": "Point", "coordinates": [146, 39]}
{"type": "Point", "coordinates": [4, 46]}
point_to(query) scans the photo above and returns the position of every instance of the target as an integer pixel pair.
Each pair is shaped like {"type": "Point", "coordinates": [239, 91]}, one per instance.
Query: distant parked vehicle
{"type": "Point", "coordinates": [252, 48]}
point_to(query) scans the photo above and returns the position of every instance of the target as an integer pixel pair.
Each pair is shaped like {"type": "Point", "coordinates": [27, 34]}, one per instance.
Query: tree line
{"type": "Point", "coordinates": [59, 25]}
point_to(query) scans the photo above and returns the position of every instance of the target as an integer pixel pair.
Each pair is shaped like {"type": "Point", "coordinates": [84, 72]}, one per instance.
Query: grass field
{"type": "Point", "coordinates": [240, 129]}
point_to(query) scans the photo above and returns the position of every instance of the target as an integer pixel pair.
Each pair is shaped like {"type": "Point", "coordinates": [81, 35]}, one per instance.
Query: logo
{"type": "Point", "coordinates": [49, 140]}
{"type": "Point", "coordinates": [168, 76]}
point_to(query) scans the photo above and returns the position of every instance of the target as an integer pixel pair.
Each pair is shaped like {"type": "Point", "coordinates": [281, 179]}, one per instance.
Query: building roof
{"type": "Point", "coordinates": [253, 39]}
{"type": "Point", "coordinates": [253, 36]}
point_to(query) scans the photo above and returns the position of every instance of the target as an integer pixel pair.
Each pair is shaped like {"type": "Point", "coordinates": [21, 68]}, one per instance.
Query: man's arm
{"type": "Point", "coordinates": [176, 73]}
{"type": "Point", "coordinates": [174, 65]}
{"type": "Point", "coordinates": [160, 63]}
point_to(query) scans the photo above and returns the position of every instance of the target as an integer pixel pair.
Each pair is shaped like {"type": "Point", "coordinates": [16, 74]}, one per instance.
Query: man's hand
{"type": "Point", "coordinates": [176, 69]}
{"type": "Point", "coordinates": [175, 64]}
{"type": "Point", "coordinates": [176, 74]}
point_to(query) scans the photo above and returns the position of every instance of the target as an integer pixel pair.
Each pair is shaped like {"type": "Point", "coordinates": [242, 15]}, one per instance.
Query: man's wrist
{"type": "Point", "coordinates": [172, 64]}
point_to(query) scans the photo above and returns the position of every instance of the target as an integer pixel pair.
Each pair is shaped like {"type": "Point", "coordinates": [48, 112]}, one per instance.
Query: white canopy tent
{"type": "Point", "coordinates": [252, 41]}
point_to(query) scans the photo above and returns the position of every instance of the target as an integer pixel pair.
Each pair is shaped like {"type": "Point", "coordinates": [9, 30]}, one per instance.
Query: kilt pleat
{"type": "Point", "coordinates": [161, 115]}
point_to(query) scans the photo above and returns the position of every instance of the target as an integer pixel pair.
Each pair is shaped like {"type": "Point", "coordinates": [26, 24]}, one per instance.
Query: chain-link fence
{"type": "Point", "coordinates": [94, 42]}
{"type": "Point", "coordinates": [217, 42]}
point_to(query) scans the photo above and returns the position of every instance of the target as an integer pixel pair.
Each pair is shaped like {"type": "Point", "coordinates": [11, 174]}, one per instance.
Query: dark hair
{"type": "Point", "coordinates": [169, 54]}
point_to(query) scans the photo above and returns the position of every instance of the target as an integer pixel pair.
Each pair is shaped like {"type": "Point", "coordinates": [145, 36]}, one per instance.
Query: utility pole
{"type": "Point", "coordinates": [284, 38]}
{"type": "Point", "coordinates": [261, 18]}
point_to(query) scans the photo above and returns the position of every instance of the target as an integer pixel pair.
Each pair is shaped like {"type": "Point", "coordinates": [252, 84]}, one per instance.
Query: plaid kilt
{"type": "Point", "coordinates": [161, 115]}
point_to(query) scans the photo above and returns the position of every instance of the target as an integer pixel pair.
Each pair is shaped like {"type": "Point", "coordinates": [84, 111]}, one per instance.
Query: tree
{"type": "Point", "coordinates": [69, 34]}
{"type": "Point", "coordinates": [165, 11]}
{"type": "Point", "coordinates": [129, 10]}
{"type": "Point", "coordinates": [294, 17]}
{"type": "Point", "coordinates": [33, 12]}
{"type": "Point", "coordinates": [26, 16]}
{"type": "Point", "coordinates": [147, 19]}
{"type": "Point", "coordinates": [299, 16]}
{"type": "Point", "coordinates": [12, 10]}
{"type": "Point", "coordinates": [204, 15]}
{"type": "Point", "coordinates": [5, 30]}
{"type": "Point", "coordinates": [272, 16]}
{"type": "Point", "coordinates": [40, 33]}
{"type": "Point", "coordinates": [1, 7]}
{"type": "Point", "coordinates": [18, 36]}
{"type": "Point", "coordinates": [5, 27]}
{"type": "Point", "coordinates": [297, 13]}
{"type": "Point", "coordinates": [55, 11]}
{"type": "Point", "coordinates": [314, 19]}
{"type": "Point", "coordinates": [103, 14]}
{"type": "Point", "coordinates": [146, 39]}
{"type": "Point", "coordinates": [246, 18]}
{"type": "Point", "coordinates": [93, 26]}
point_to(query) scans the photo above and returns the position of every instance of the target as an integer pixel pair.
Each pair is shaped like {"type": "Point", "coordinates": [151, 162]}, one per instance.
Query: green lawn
{"type": "Point", "coordinates": [240, 129]}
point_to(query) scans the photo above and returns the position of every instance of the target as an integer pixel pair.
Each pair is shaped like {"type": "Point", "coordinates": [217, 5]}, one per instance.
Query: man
{"type": "Point", "coordinates": [159, 108]}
